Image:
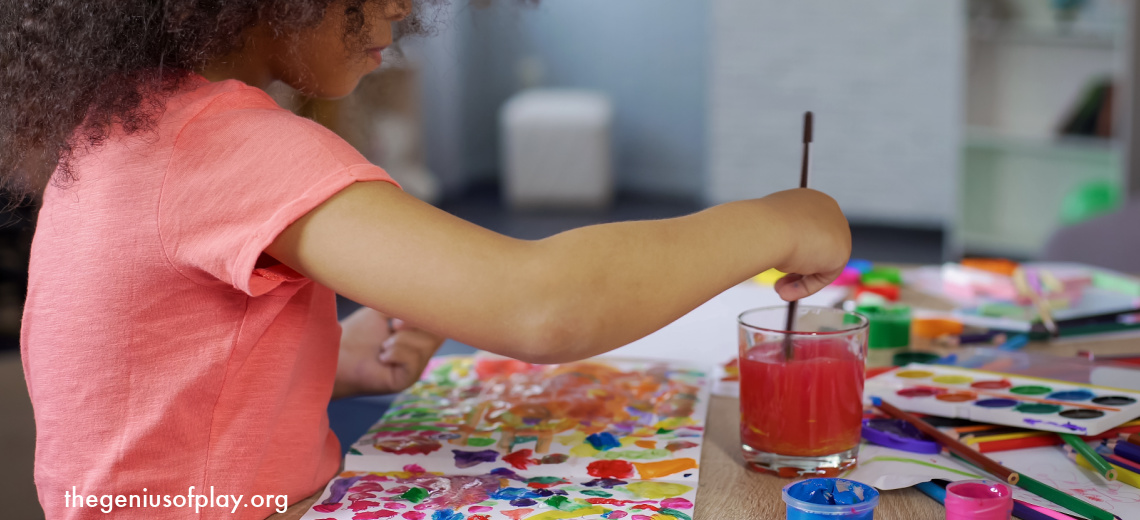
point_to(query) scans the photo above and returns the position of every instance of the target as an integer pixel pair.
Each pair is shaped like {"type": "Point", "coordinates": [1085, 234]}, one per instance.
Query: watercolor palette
{"type": "Point", "coordinates": [1027, 402]}
{"type": "Point", "coordinates": [604, 434]}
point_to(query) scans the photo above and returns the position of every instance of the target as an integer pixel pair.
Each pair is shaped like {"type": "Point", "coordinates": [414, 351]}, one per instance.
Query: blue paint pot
{"type": "Point", "coordinates": [830, 499]}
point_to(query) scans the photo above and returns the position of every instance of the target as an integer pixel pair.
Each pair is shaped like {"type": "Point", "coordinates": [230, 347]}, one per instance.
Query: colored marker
{"type": "Point", "coordinates": [1125, 449]}
{"type": "Point", "coordinates": [1015, 343]}
{"type": "Point", "coordinates": [1098, 463]}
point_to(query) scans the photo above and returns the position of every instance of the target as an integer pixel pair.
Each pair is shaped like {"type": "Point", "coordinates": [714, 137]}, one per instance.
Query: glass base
{"type": "Point", "coordinates": [793, 466]}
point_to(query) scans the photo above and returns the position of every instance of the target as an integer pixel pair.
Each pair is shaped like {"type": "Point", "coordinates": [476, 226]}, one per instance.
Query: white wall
{"type": "Point", "coordinates": [884, 78]}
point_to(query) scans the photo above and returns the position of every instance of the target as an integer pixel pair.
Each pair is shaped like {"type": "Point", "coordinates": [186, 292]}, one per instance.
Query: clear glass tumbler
{"type": "Point", "coordinates": [801, 391]}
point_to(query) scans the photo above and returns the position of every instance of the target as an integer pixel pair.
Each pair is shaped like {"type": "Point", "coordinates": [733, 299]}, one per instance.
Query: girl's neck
{"type": "Point", "coordinates": [250, 64]}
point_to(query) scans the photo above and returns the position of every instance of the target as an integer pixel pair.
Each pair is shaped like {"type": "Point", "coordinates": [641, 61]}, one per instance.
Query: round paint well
{"type": "Point", "coordinates": [1072, 395]}
{"type": "Point", "coordinates": [957, 397]}
{"type": "Point", "coordinates": [1081, 413]}
{"type": "Point", "coordinates": [991, 385]}
{"type": "Point", "coordinates": [914, 374]}
{"type": "Point", "coordinates": [919, 391]}
{"type": "Point", "coordinates": [996, 403]}
{"type": "Point", "coordinates": [1030, 390]}
{"type": "Point", "coordinates": [1114, 400]}
{"type": "Point", "coordinates": [953, 380]}
{"type": "Point", "coordinates": [830, 499]}
{"type": "Point", "coordinates": [978, 500]}
{"type": "Point", "coordinates": [1037, 408]}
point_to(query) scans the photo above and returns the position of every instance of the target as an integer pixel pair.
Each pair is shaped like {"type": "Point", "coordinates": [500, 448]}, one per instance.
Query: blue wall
{"type": "Point", "coordinates": [648, 55]}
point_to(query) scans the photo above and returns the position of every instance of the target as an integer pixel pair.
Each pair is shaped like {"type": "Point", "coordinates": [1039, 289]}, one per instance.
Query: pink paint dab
{"type": "Point", "coordinates": [676, 503]}
{"type": "Point", "coordinates": [480, 509]}
{"type": "Point", "coordinates": [397, 505]}
{"type": "Point", "coordinates": [639, 517]}
{"type": "Point", "coordinates": [617, 514]}
{"type": "Point", "coordinates": [414, 469]}
{"type": "Point", "coordinates": [374, 515]}
{"type": "Point", "coordinates": [413, 515]}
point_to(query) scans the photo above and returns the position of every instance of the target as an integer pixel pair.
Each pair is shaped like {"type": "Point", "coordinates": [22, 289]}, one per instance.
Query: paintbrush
{"type": "Point", "coordinates": [804, 163]}
{"type": "Point", "coordinates": [1025, 287]}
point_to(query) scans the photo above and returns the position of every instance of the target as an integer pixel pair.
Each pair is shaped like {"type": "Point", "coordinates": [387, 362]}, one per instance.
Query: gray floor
{"type": "Point", "coordinates": [481, 206]}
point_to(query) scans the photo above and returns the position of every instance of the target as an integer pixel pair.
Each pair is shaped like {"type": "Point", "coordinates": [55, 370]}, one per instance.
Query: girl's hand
{"type": "Point", "coordinates": [380, 355]}
{"type": "Point", "coordinates": [819, 239]}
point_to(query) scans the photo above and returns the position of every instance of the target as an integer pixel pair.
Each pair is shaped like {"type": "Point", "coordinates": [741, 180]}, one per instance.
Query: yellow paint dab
{"type": "Point", "coordinates": [577, 513]}
{"type": "Point", "coordinates": [571, 438]}
{"type": "Point", "coordinates": [657, 490]}
{"type": "Point", "coordinates": [649, 445]}
{"type": "Point", "coordinates": [953, 380]}
{"type": "Point", "coordinates": [584, 450]}
{"type": "Point", "coordinates": [660, 516]}
{"type": "Point", "coordinates": [914, 374]}
{"type": "Point", "coordinates": [672, 423]}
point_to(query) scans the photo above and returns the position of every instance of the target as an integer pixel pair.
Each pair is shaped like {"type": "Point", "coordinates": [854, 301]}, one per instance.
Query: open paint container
{"type": "Point", "coordinates": [978, 500]}
{"type": "Point", "coordinates": [830, 499]}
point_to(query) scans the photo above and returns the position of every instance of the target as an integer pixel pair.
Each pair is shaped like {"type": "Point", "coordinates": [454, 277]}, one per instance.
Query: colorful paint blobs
{"type": "Point", "coordinates": [615, 469]}
{"type": "Point", "coordinates": [467, 459]}
{"type": "Point", "coordinates": [408, 445]}
{"type": "Point", "coordinates": [615, 514]}
{"type": "Point", "coordinates": [669, 512]}
{"type": "Point", "coordinates": [374, 515]}
{"type": "Point", "coordinates": [664, 468]}
{"type": "Point", "coordinates": [603, 441]}
{"type": "Point", "coordinates": [447, 514]}
{"type": "Point", "coordinates": [545, 482]}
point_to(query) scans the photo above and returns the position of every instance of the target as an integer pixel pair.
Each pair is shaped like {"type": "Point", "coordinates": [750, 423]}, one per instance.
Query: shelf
{"type": "Point", "coordinates": [1071, 148]}
{"type": "Point", "coordinates": [1103, 37]}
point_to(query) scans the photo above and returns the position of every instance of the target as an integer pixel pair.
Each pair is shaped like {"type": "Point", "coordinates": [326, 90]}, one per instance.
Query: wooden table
{"type": "Point", "coordinates": [730, 491]}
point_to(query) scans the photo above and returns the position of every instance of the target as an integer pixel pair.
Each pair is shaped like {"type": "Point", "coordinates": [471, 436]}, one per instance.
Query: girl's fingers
{"type": "Point", "coordinates": [794, 286]}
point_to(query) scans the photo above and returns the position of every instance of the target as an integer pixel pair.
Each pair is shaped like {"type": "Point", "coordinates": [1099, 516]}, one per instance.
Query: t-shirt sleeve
{"type": "Point", "coordinates": [241, 171]}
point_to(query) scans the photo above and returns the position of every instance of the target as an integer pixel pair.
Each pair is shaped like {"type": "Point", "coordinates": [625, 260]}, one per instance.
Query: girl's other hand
{"type": "Point", "coordinates": [380, 355]}
{"type": "Point", "coordinates": [819, 239]}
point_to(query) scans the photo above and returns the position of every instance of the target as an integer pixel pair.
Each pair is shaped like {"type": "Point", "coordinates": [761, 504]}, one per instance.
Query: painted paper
{"type": "Point", "coordinates": [490, 438]}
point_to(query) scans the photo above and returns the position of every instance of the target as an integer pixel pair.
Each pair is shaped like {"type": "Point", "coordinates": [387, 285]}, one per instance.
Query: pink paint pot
{"type": "Point", "coordinates": [978, 500]}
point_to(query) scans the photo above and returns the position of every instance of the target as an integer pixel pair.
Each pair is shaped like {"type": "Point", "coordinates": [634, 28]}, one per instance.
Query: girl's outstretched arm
{"type": "Point", "coordinates": [562, 298]}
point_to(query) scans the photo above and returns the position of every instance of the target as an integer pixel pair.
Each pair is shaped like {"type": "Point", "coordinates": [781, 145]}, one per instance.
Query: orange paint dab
{"type": "Point", "coordinates": [649, 445]}
{"type": "Point", "coordinates": [652, 470]}
{"type": "Point", "coordinates": [517, 514]}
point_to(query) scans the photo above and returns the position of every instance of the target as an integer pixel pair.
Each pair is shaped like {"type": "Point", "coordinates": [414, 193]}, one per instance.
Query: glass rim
{"type": "Point", "coordinates": [863, 321]}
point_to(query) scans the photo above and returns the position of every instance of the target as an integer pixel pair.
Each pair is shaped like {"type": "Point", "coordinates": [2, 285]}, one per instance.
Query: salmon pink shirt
{"type": "Point", "coordinates": [158, 355]}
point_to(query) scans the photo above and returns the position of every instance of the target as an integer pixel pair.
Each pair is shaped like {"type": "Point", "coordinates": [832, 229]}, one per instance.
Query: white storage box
{"type": "Point", "coordinates": [556, 149]}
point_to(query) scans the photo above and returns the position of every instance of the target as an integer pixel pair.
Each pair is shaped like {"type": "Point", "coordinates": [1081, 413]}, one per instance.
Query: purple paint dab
{"type": "Point", "coordinates": [996, 403]}
{"type": "Point", "coordinates": [467, 459]}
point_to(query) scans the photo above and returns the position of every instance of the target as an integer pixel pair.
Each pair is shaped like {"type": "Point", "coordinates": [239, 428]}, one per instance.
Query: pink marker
{"type": "Point", "coordinates": [978, 500]}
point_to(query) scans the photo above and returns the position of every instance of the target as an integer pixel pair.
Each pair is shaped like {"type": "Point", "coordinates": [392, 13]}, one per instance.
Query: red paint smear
{"type": "Point", "coordinates": [680, 445]}
{"type": "Point", "coordinates": [646, 506]}
{"type": "Point", "coordinates": [616, 502]}
{"type": "Point", "coordinates": [479, 509]}
{"type": "Point", "coordinates": [360, 505]}
{"type": "Point", "coordinates": [327, 508]}
{"type": "Point", "coordinates": [367, 486]}
{"type": "Point", "coordinates": [479, 517]}
{"type": "Point", "coordinates": [610, 469]}
{"type": "Point", "coordinates": [517, 514]}
{"type": "Point", "coordinates": [520, 459]}
{"type": "Point", "coordinates": [361, 496]}
{"type": "Point", "coordinates": [488, 368]}
{"type": "Point", "coordinates": [413, 515]}
{"type": "Point", "coordinates": [409, 446]}
{"type": "Point", "coordinates": [920, 391]}
{"type": "Point", "coordinates": [373, 515]}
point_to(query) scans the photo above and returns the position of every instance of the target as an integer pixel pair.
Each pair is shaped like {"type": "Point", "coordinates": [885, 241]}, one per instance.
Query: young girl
{"type": "Point", "coordinates": [180, 335]}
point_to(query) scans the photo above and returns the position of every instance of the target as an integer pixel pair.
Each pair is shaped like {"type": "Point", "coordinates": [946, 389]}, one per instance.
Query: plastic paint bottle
{"type": "Point", "coordinates": [978, 500]}
{"type": "Point", "coordinates": [830, 499]}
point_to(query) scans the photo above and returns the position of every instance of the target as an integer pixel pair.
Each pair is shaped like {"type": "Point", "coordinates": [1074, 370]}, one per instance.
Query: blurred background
{"type": "Point", "coordinates": [943, 127]}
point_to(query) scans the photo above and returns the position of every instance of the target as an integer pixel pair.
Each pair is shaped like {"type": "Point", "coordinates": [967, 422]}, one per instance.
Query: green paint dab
{"type": "Point", "coordinates": [480, 441]}
{"type": "Point", "coordinates": [674, 512]}
{"type": "Point", "coordinates": [415, 495]}
{"type": "Point", "coordinates": [661, 431]}
{"type": "Point", "coordinates": [597, 493]}
{"type": "Point", "coordinates": [354, 451]}
{"type": "Point", "coordinates": [557, 501]}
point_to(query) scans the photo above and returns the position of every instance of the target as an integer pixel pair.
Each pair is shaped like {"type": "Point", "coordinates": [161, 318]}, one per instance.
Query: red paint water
{"type": "Point", "coordinates": [808, 407]}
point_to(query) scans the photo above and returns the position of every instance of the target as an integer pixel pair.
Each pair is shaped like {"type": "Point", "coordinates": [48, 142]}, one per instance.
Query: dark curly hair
{"type": "Point", "coordinates": [71, 70]}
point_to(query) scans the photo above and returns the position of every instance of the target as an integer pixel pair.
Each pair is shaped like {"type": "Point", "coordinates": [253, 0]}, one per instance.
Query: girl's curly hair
{"type": "Point", "coordinates": [72, 70]}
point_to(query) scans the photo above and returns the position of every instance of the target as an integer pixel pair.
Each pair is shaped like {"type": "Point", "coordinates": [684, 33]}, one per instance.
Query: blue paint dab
{"type": "Point", "coordinates": [521, 502]}
{"type": "Point", "coordinates": [466, 459]}
{"type": "Point", "coordinates": [688, 474]}
{"type": "Point", "coordinates": [603, 441]}
{"type": "Point", "coordinates": [1072, 395]}
{"type": "Point", "coordinates": [607, 483]}
{"type": "Point", "coordinates": [513, 493]}
{"type": "Point", "coordinates": [506, 473]}
{"type": "Point", "coordinates": [447, 514]}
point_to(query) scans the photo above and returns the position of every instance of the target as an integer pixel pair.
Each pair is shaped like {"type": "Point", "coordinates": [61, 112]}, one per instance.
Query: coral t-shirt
{"type": "Point", "coordinates": [159, 353]}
